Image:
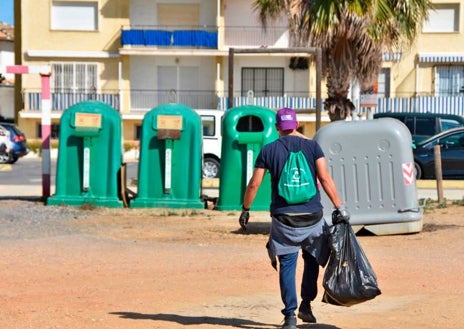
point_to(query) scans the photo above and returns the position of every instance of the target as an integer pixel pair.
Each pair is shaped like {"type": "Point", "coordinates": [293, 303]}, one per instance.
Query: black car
{"type": "Point", "coordinates": [17, 147]}
{"type": "Point", "coordinates": [424, 125]}
{"type": "Point", "coordinates": [452, 155]}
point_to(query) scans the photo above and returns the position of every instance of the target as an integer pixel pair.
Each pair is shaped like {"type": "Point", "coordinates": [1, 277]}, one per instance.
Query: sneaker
{"type": "Point", "coordinates": [305, 313]}
{"type": "Point", "coordinates": [289, 322]}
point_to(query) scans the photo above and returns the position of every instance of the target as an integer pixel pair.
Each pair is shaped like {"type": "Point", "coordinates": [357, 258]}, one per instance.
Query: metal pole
{"type": "Point", "coordinates": [318, 88]}
{"type": "Point", "coordinates": [46, 133]}
{"type": "Point", "coordinates": [230, 99]}
{"type": "Point", "coordinates": [45, 72]}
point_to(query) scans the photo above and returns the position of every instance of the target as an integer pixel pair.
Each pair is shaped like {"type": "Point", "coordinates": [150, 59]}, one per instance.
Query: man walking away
{"type": "Point", "coordinates": [294, 226]}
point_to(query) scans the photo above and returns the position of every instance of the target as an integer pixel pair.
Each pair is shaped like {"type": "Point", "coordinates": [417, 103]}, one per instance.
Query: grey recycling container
{"type": "Point", "coordinates": [372, 164]}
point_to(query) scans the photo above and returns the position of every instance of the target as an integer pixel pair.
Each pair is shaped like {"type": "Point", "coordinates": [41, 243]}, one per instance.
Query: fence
{"type": "Point", "coordinates": [445, 105]}
{"type": "Point", "coordinates": [146, 100]}
{"type": "Point", "coordinates": [62, 101]}
{"type": "Point", "coordinates": [423, 104]}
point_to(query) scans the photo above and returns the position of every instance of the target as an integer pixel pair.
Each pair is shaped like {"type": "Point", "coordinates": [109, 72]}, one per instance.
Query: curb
{"type": "Point", "coordinates": [432, 183]}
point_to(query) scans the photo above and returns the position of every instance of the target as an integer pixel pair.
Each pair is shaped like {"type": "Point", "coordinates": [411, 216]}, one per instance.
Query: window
{"type": "Point", "coordinates": [447, 124]}
{"type": "Point", "coordinates": [74, 15]}
{"type": "Point", "coordinates": [138, 132]}
{"type": "Point", "coordinates": [263, 81]}
{"type": "Point", "coordinates": [74, 77]}
{"type": "Point", "coordinates": [421, 126]}
{"type": "Point", "coordinates": [382, 87]}
{"type": "Point", "coordinates": [455, 141]}
{"type": "Point", "coordinates": [383, 84]}
{"type": "Point", "coordinates": [442, 18]}
{"type": "Point", "coordinates": [55, 131]}
{"type": "Point", "coordinates": [208, 123]}
{"type": "Point", "coordinates": [425, 126]}
{"type": "Point", "coordinates": [449, 80]}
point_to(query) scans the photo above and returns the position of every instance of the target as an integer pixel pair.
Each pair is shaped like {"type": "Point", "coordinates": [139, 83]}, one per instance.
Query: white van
{"type": "Point", "coordinates": [212, 141]}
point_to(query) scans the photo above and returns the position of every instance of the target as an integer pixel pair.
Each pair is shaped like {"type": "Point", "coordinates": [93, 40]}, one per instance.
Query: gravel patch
{"type": "Point", "coordinates": [30, 219]}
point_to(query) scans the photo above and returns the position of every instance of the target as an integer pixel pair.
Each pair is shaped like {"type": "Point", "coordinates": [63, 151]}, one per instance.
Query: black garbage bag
{"type": "Point", "coordinates": [349, 278]}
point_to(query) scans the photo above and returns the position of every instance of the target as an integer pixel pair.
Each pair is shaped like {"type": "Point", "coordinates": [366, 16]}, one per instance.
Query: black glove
{"type": "Point", "coordinates": [340, 215]}
{"type": "Point", "coordinates": [244, 217]}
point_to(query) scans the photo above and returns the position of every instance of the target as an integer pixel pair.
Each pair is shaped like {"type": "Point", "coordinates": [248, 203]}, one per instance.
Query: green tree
{"type": "Point", "coordinates": [352, 34]}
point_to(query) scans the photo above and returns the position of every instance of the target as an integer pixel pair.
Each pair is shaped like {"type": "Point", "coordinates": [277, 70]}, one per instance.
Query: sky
{"type": "Point", "coordinates": [6, 11]}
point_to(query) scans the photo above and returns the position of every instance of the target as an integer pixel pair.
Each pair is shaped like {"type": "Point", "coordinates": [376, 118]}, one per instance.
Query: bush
{"type": "Point", "coordinates": [130, 145]}
{"type": "Point", "coordinates": [35, 145]}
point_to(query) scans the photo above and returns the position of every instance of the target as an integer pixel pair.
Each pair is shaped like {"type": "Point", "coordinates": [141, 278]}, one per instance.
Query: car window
{"type": "Point", "coordinates": [17, 130]}
{"type": "Point", "coordinates": [209, 123]}
{"type": "Point", "coordinates": [447, 124]}
{"type": "Point", "coordinates": [425, 126]}
{"type": "Point", "coordinates": [409, 122]}
{"type": "Point", "coordinates": [453, 141]}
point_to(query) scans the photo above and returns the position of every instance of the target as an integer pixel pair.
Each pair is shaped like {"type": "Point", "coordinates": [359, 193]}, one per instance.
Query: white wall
{"type": "Point", "coordinates": [143, 12]}
{"type": "Point", "coordinates": [7, 57]}
{"type": "Point", "coordinates": [7, 101]}
{"type": "Point", "coordinates": [240, 13]}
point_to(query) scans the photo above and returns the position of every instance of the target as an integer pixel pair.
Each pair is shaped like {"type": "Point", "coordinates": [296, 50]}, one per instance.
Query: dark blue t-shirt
{"type": "Point", "coordinates": [273, 157]}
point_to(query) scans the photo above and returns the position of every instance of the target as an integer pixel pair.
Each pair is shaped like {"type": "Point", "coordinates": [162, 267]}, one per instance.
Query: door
{"type": "Point", "coordinates": [179, 84]}
{"type": "Point", "coordinates": [452, 155]}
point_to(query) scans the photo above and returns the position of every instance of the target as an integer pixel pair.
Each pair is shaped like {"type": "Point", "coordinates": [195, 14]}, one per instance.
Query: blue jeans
{"type": "Point", "coordinates": [287, 274]}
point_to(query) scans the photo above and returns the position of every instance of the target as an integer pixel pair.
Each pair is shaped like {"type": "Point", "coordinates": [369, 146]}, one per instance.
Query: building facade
{"type": "Point", "coordinates": [6, 80]}
{"type": "Point", "coordinates": [137, 54]}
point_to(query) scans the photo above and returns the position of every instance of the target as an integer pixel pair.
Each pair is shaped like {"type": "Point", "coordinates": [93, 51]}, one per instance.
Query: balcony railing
{"type": "Point", "coordinates": [144, 100]}
{"type": "Point", "coordinates": [162, 36]}
{"type": "Point", "coordinates": [62, 101]}
{"type": "Point", "coordinates": [203, 37]}
{"type": "Point", "coordinates": [255, 36]}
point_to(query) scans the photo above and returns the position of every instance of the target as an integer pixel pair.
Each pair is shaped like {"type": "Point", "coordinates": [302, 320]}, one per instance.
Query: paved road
{"type": "Point", "coordinates": [24, 179]}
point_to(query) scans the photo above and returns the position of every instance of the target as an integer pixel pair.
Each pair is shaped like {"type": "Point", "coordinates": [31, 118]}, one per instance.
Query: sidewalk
{"type": "Point", "coordinates": [452, 189]}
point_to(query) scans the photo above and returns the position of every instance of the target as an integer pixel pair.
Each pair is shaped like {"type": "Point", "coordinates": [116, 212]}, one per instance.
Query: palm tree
{"type": "Point", "coordinates": [352, 35]}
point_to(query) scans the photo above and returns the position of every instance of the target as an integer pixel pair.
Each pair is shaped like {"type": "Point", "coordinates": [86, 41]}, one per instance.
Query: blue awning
{"type": "Point", "coordinates": [440, 57]}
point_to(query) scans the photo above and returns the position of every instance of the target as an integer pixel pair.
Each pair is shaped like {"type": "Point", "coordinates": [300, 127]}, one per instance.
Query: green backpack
{"type": "Point", "coordinates": [296, 183]}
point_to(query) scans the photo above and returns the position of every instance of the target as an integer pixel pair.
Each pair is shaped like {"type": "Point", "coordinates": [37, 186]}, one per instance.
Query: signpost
{"type": "Point", "coordinates": [45, 73]}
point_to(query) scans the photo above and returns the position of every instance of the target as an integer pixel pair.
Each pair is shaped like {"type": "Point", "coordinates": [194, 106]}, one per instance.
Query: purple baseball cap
{"type": "Point", "coordinates": [286, 119]}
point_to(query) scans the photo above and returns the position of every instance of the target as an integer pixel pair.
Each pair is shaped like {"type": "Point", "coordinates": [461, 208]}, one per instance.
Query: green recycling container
{"type": "Point", "coordinates": [170, 159]}
{"type": "Point", "coordinates": [245, 130]}
{"type": "Point", "coordinates": [89, 156]}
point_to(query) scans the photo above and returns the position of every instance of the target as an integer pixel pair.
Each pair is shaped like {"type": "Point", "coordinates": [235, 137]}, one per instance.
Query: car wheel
{"type": "Point", "coordinates": [418, 170]}
{"type": "Point", "coordinates": [210, 168]}
{"type": "Point", "coordinates": [12, 159]}
{"type": "Point", "coordinates": [3, 155]}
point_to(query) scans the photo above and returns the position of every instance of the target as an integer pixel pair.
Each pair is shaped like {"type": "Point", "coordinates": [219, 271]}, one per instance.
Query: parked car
{"type": "Point", "coordinates": [5, 144]}
{"type": "Point", "coordinates": [13, 144]}
{"type": "Point", "coordinates": [212, 138]}
{"type": "Point", "coordinates": [424, 125]}
{"type": "Point", "coordinates": [452, 155]}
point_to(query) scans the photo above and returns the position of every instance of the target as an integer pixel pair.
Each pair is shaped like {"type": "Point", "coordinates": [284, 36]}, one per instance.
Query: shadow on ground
{"type": "Point", "coordinates": [199, 320]}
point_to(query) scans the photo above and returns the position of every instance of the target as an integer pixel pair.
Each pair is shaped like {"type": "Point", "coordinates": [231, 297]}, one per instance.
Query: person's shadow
{"type": "Point", "coordinates": [198, 320]}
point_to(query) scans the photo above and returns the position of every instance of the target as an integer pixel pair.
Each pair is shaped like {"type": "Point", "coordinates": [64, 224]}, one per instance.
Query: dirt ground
{"type": "Point", "coordinates": [148, 268]}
